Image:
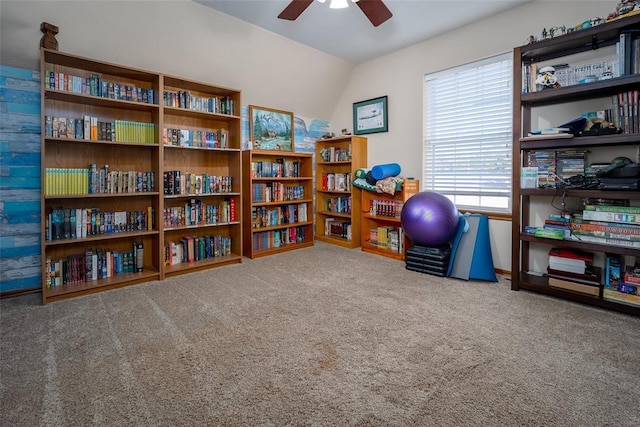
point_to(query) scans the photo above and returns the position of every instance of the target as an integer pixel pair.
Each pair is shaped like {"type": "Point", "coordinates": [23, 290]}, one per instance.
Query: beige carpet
{"type": "Point", "coordinates": [322, 336]}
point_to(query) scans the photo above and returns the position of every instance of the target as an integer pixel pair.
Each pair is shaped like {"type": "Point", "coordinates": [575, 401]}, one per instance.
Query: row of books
{"type": "Point", "coordinates": [335, 154]}
{"type": "Point", "coordinates": [336, 181]}
{"type": "Point", "coordinates": [196, 248]}
{"type": "Point", "coordinates": [337, 228]}
{"type": "Point", "coordinates": [262, 216]}
{"type": "Point", "coordinates": [200, 138]}
{"type": "Point", "coordinates": [387, 237]}
{"type": "Point", "coordinates": [77, 181]}
{"type": "Point", "coordinates": [104, 180]}
{"type": "Point", "coordinates": [210, 104]}
{"type": "Point", "coordinates": [94, 85]}
{"type": "Point", "coordinates": [94, 264]}
{"type": "Point", "coordinates": [386, 207]}
{"type": "Point", "coordinates": [624, 113]}
{"type": "Point", "coordinates": [275, 192]}
{"type": "Point", "coordinates": [340, 204]}
{"type": "Point", "coordinates": [280, 168]}
{"type": "Point", "coordinates": [79, 223]}
{"type": "Point", "coordinates": [278, 238]}
{"type": "Point", "coordinates": [89, 128]}
{"type": "Point", "coordinates": [177, 182]}
{"type": "Point", "coordinates": [196, 212]}
{"type": "Point", "coordinates": [628, 53]}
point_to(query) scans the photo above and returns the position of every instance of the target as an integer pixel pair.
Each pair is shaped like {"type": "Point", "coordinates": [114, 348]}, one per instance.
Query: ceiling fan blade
{"type": "Point", "coordinates": [294, 9]}
{"type": "Point", "coordinates": [375, 10]}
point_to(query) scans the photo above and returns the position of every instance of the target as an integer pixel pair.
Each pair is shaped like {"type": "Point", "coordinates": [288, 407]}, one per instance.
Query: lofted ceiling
{"type": "Point", "coordinates": [348, 34]}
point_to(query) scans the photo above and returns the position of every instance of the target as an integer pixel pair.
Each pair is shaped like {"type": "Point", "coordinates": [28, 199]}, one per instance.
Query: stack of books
{"type": "Point", "coordinates": [605, 224]}
{"type": "Point", "coordinates": [622, 283]}
{"type": "Point", "coordinates": [573, 270]}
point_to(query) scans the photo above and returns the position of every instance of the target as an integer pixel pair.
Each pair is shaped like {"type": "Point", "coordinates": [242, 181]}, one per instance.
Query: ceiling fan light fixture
{"type": "Point", "coordinates": [338, 4]}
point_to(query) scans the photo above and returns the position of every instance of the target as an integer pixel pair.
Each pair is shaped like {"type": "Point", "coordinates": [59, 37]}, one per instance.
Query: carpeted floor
{"type": "Point", "coordinates": [322, 336]}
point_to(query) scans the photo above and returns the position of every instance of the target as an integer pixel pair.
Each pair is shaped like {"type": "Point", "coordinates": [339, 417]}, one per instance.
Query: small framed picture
{"type": "Point", "coordinates": [370, 116]}
{"type": "Point", "coordinates": [271, 129]}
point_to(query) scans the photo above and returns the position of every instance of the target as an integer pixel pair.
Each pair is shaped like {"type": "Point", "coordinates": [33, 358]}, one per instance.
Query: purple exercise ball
{"type": "Point", "coordinates": [429, 218]}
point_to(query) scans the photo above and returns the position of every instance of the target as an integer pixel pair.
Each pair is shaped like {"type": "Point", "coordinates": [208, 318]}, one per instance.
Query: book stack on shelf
{"type": "Point", "coordinates": [622, 282]}
{"type": "Point", "coordinates": [573, 270]}
{"type": "Point", "coordinates": [608, 224]}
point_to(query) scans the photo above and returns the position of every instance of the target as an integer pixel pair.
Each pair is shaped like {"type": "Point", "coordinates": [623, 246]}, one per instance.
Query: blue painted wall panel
{"type": "Point", "coordinates": [20, 159]}
{"type": "Point", "coordinates": [19, 182]}
{"type": "Point", "coordinates": [20, 121]}
{"type": "Point", "coordinates": [8, 72]}
{"type": "Point", "coordinates": [23, 284]}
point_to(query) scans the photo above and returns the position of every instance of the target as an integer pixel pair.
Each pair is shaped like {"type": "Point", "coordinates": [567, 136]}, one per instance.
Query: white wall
{"type": "Point", "coordinates": [181, 38]}
{"type": "Point", "coordinates": [400, 76]}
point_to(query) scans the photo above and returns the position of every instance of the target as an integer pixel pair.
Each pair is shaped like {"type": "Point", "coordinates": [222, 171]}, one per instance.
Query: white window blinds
{"type": "Point", "coordinates": [467, 136]}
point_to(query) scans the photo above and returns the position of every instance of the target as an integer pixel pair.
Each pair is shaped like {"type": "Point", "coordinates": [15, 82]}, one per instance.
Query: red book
{"type": "Point", "coordinates": [632, 275]}
{"type": "Point", "coordinates": [572, 254]}
{"type": "Point", "coordinates": [232, 209]}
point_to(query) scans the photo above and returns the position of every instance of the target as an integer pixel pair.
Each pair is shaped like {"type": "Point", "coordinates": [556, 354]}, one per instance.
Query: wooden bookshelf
{"type": "Point", "coordinates": [277, 201]}
{"type": "Point", "coordinates": [105, 167]}
{"type": "Point", "coordinates": [339, 203]}
{"type": "Point", "coordinates": [380, 212]}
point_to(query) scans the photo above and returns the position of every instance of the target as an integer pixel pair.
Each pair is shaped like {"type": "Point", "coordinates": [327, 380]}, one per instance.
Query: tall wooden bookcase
{"type": "Point", "coordinates": [380, 219]}
{"type": "Point", "coordinates": [103, 164]}
{"type": "Point", "coordinates": [530, 205]}
{"type": "Point", "coordinates": [337, 201]}
{"type": "Point", "coordinates": [278, 201]}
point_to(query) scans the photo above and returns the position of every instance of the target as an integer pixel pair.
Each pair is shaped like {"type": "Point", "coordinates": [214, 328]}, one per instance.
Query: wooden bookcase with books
{"type": "Point", "coordinates": [201, 161]}
{"type": "Point", "coordinates": [109, 218]}
{"type": "Point", "coordinates": [278, 201]}
{"type": "Point", "coordinates": [590, 195]}
{"type": "Point", "coordinates": [382, 232]}
{"type": "Point", "coordinates": [100, 168]}
{"type": "Point", "coordinates": [337, 201]}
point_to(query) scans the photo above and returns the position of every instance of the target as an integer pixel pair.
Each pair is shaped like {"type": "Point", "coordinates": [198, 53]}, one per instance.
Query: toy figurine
{"type": "Point", "coordinates": [547, 78]}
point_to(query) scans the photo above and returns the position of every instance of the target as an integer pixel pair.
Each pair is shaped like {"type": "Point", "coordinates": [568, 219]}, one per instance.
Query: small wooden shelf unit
{"type": "Point", "coordinates": [278, 201]}
{"type": "Point", "coordinates": [339, 204]}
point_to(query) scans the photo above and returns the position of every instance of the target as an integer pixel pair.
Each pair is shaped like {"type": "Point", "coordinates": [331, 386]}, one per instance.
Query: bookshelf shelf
{"type": "Point", "coordinates": [529, 253]}
{"type": "Point", "coordinates": [72, 290]}
{"type": "Point", "coordinates": [76, 98]}
{"type": "Point", "coordinates": [378, 230]}
{"type": "Point", "coordinates": [205, 264]}
{"type": "Point", "coordinates": [277, 191]}
{"type": "Point", "coordinates": [339, 157]}
{"type": "Point", "coordinates": [113, 140]}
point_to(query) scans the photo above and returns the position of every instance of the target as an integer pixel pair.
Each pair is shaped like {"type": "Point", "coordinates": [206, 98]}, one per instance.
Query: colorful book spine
{"type": "Point", "coordinates": [615, 209]}
{"type": "Point", "coordinates": [611, 216]}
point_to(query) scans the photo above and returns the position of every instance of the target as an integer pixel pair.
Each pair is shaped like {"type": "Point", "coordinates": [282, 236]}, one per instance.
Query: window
{"type": "Point", "coordinates": [467, 136]}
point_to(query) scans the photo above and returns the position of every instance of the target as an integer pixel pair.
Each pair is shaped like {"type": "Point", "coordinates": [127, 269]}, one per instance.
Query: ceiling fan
{"type": "Point", "coordinates": [375, 10]}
